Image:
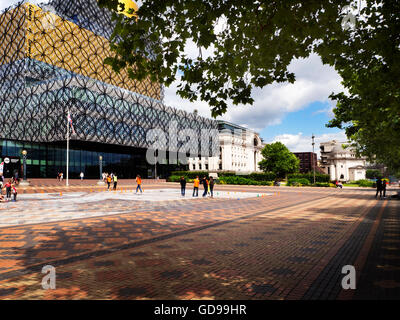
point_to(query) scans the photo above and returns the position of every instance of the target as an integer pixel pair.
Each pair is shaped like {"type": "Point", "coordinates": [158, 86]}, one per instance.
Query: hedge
{"type": "Point", "coordinates": [253, 176]}
{"type": "Point", "coordinates": [298, 182]}
{"type": "Point", "coordinates": [190, 174]}
{"type": "Point", "coordinates": [239, 180]}
{"type": "Point", "coordinates": [319, 177]}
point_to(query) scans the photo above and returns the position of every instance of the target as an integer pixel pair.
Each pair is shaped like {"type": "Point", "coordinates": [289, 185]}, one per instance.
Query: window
{"type": "Point", "coordinates": [200, 166]}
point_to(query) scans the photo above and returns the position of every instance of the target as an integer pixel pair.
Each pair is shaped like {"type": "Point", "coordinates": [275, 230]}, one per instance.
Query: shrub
{"type": "Point", "coordinates": [298, 182]}
{"type": "Point", "coordinates": [373, 174]}
{"type": "Point", "coordinates": [319, 177]}
{"type": "Point", "coordinates": [324, 184]}
{"type": "Point", "coordinates": [239, 180]}
{"type": "Point", "coordinates": [174, 179]}
{"type": "Point", "coordinates": [365, 183]}
{"type": "Point", "coordinates": [190, 174]}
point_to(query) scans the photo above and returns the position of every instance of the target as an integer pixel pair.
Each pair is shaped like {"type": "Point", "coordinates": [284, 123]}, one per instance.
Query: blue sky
{"type": "Point", "coordinates": [311, 119]}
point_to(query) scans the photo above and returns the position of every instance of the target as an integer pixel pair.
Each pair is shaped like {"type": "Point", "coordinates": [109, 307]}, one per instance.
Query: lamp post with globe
{"type": "Point", "coordinates": [24, 182]}
{"type": "Point", "coordinates": [101, 170]}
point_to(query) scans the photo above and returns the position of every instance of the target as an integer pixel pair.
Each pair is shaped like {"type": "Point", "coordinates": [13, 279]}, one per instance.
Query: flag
{"type": "Point", "coordinates": [70, 122]}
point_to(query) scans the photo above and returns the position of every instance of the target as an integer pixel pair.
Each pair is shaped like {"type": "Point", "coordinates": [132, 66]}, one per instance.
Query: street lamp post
{"type": "Point", "coordinates": [24, 181]}
{"type": "Point", "coordinates": [101, 170]}
{"type": "Point", "coordinates": [313, 163]}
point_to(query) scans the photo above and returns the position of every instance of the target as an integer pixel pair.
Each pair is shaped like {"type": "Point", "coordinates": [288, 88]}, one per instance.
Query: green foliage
{"type": "Point", "coordinates": [239, 180]}
{"type": "Point", "coordinates": [319, 177]}
{"type": "Point", "coordinates": [174, 179]}
{"type": "Point", "coordinates": [190, 174]}
{"type": "Point", "coordinates": [278, 160]}
{"type": "Point", "coordinates": [265, 176]}
{"type": "Point", "coordinates": [324, 184]}
{"type": "Point", "coordinates": [298, 182]}
{"type": "Point", "coordinates": [365, 183]}
{"type": "Point", "coordinates": [248, 51]}
{"type": "Point", "coordinates": [373, 174]}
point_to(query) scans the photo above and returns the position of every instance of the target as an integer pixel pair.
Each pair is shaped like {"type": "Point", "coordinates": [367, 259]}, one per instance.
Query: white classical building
{"type": "Point", "coordinates": [240, 151]}
{"type": "Point", "coordinates": [340, 162]}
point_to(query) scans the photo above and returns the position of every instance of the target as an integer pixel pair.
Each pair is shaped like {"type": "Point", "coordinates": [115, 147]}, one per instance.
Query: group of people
{"type": "Point", "coordinates": [381, 188]}
{"type": "Point", "coordinates": [113, 178]}
{"type": "Point", "coordinates": [110, 179]}
{"type": "Point", "coordinates": [208, 185]}
{"type": "Point", "coordinates": [10, 188]}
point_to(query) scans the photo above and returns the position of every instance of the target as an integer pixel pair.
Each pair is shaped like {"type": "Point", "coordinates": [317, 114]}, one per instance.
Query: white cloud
{"type": "Point", "coordinates": [300, 143]}
{"type": "Point", "coordinates": [314, 82]}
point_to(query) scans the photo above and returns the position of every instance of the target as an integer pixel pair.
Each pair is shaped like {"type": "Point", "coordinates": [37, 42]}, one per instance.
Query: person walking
{"type": "Point", "coordinates": [108, 182]}
{"type": "Point", "coordinates": [139, 184]}
{"type": "Point", "coordinates": [81, 175]}
{"type": "Point", "coordinates": [378, 188]}
{"type": "Point", "coordinates": [211, 186]}
{"type": "Point", "coordinates": [61, 176]}
{"type": "Point", "coordinates": [183, 186]}
{"type": "Point", "coordinates": [8, 190]}
{"type": "Point", "coordinates": [115, 178]}
{"type": "Point", "coordinates": [14, 192]}
{"type": "Point", "coordinates": [384, 184]}
{"type": "Point", "coordinates": [196, 184]}
{"type": "Point", "coordinates": [205, 186]}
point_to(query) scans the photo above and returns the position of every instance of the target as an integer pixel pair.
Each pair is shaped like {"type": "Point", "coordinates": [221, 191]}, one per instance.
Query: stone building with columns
{"type": "Point", "coordinates": [240, 151]}
{"type": "Point", "coordinates": [341, 162]}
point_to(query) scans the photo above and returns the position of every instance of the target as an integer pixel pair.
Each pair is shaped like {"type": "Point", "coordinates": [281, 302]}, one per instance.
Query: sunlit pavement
{"type": "Point", "coordinates": [246, 243]}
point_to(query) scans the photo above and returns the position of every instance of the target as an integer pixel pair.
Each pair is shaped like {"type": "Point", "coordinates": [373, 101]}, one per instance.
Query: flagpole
{"type": "Point", "coordinates": [66, 181]}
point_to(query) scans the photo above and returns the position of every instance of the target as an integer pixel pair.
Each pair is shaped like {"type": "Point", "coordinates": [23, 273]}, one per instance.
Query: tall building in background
{"type": "Point", "coordinates": [308, 161]}
{"type": "Point", "coordinates": [51, 61]}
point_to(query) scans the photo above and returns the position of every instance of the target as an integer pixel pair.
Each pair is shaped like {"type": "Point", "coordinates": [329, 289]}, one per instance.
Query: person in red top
{"type": "Point", "coordinates": [14, 192]}
{"type": "Point", "coordinates": [139, 184]}
{"type": "Point", "coordinates": [8, 186]}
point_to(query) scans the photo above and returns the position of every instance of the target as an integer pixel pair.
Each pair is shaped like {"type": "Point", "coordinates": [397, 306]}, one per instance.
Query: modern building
{"type": "Point", "coordinates": [308, 161]}
{"type": "Point", "coordinates": [240, 151]}
{"type": "Point", "coordinates": [51, 63]}
{"type": "Point", "coordinates": [340, 161]}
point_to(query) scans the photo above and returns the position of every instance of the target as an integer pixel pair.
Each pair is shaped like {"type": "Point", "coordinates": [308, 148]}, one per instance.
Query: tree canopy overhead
{"type": "Point", "coordinates": [253, 45]}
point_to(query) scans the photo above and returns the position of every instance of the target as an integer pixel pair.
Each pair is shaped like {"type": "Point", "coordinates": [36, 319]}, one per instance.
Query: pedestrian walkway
{"type": "Point", "coordinates": [290, 245]}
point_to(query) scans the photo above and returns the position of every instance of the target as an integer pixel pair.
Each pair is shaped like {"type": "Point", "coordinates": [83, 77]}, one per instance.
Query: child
{"type": "Point", "coordinates": [14, 191]}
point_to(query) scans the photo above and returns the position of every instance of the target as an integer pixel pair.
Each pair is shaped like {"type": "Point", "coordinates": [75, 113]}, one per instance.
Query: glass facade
{"type": "Point", "coordinates": [46, 160]}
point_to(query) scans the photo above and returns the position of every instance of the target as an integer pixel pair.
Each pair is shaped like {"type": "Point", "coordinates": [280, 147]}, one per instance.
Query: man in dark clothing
{"type": "Point", "coordinates": [183, 186]}
{"type": "Point", "coordinates": [205, 185]}
{"type": "Point", "coordinates": [211, 186]}
{"type": "Point", "coordinates": [379, 188]}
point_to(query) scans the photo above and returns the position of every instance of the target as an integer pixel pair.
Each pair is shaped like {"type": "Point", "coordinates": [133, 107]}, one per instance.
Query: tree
{"type": "Point", "coordinates": [255, 43]}
{"type": "Point", "coordinates": [278, 159]}
{"type": "Point", "coordinates": [252, 47]}
{"type": "Point", "coordinates": [369, 63]}
{"type": "Point", "coordinates": [373, 174]}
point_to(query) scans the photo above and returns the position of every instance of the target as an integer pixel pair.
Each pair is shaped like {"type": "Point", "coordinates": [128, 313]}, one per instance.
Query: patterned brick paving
{"type": "Point", "coordinates": [288, 246]}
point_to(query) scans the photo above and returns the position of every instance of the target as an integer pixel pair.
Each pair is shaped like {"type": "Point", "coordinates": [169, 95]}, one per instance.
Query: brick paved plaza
{"type": "Point", "coordinates": [247, 243]}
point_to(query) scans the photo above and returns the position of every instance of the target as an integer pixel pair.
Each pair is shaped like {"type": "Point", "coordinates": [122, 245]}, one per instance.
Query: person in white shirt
{"type": "Point", "coordinates": [81, 175]}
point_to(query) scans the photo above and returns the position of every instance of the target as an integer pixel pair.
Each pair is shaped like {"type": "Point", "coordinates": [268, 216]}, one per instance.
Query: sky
{"type": "Point", "coordinates": [286, 112]}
